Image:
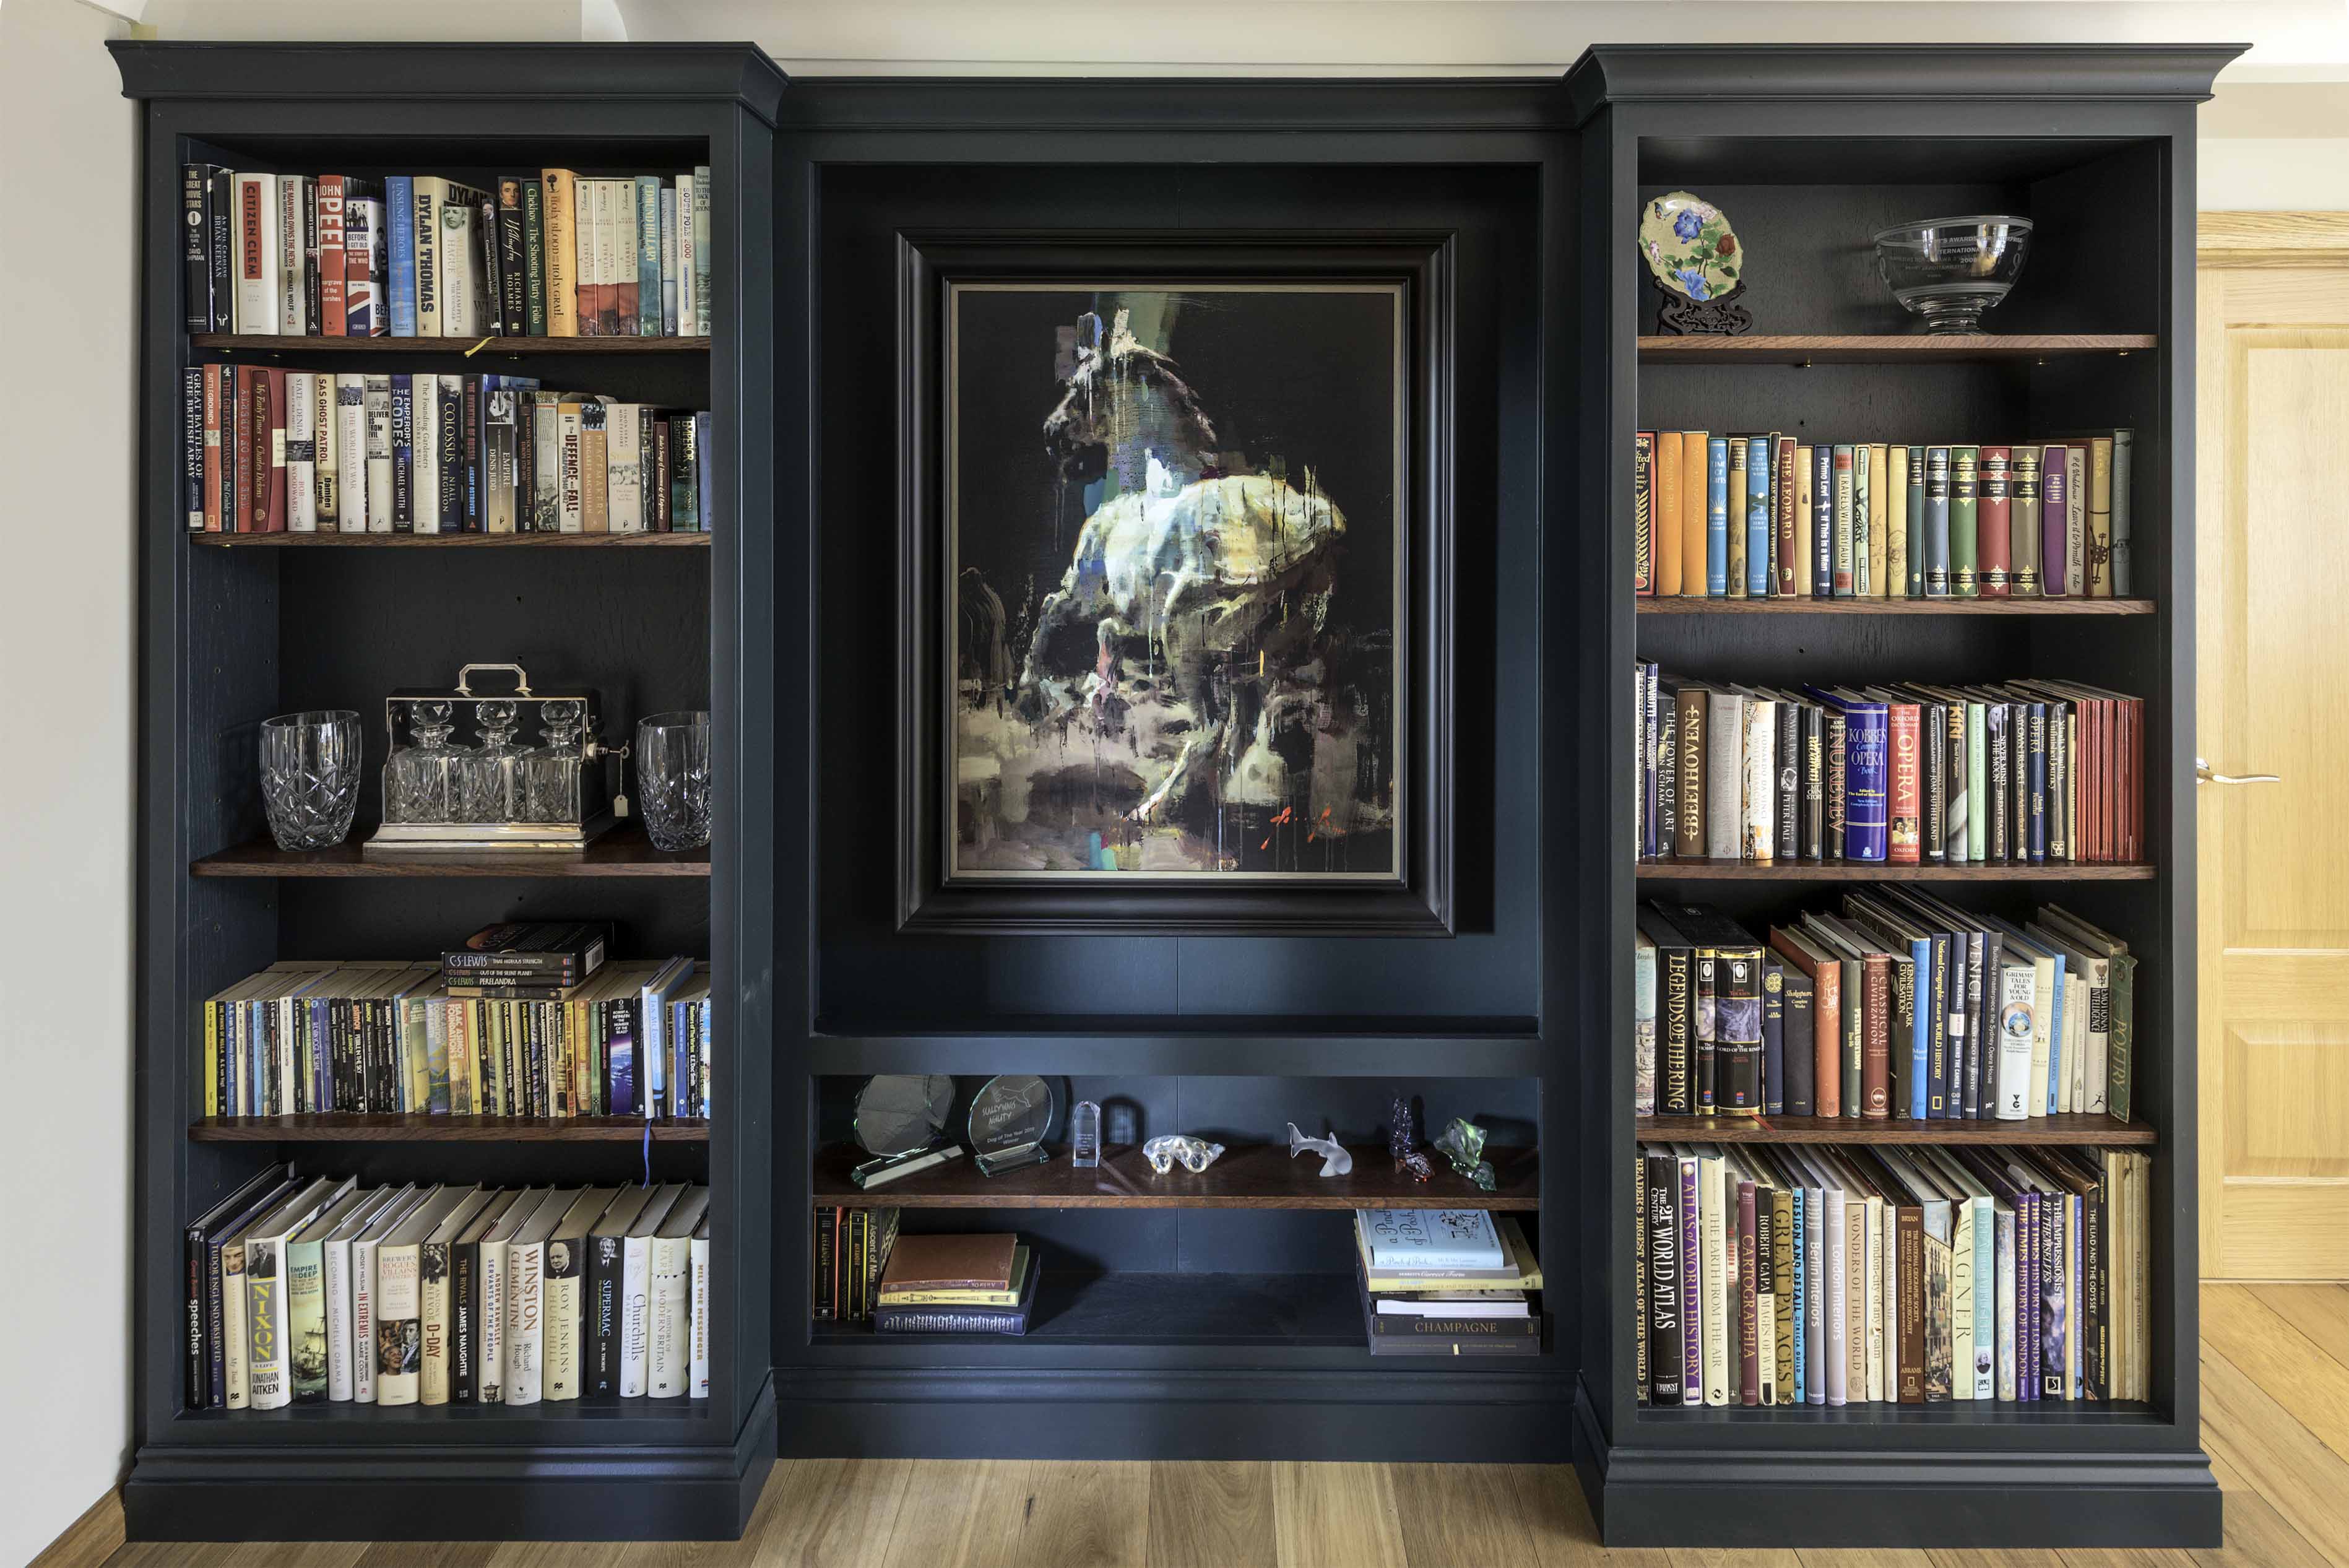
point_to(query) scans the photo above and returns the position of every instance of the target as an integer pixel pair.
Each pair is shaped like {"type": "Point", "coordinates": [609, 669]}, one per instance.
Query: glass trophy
{"type": "Point", "coordinates": [899, 1117]}
{"type": "Point", "coordinates": [1008, 1118]}
{"type": "Point", "coordinates": [1084, 1135]}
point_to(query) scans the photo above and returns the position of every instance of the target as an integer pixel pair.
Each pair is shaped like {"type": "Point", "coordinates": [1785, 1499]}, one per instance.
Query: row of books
{"type": "Point", "coordinates": [1772, 515]}
{"type": "Point", "coordinates": [548, 255]}
{"type": "Point", "coordinates": [2037, 772]}
{"type": "Point", "coordinates": [269, 450]}
{"type": "Point", "coordinates": [310, 1289]}
{"type": "Point", "coordinates": [1445, 1281]}
{"type": "Point", "coordinates": [852, 1248]}
{"type": "Point", "coordinates": [1793, 1274]}
{"type": "Point", "coordinates": [1895, 1005]}
{"type": "Point", "coordinates": [395, 1036]}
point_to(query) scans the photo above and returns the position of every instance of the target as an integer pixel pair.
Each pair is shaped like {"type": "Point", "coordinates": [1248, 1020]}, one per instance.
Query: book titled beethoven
{"type": "Point", "coordinates": [1405, 1238]}
{"type": "Point", "coordinates": [529, 952]}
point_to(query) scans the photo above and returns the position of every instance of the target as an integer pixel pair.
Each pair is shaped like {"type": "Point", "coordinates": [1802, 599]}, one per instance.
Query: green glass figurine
{"type": "Point", "coordinates": [1462, 1144]}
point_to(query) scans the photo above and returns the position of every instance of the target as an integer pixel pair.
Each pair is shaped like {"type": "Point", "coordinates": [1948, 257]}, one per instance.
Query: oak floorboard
{"type": "Point", "coordinates": [1061, 1513]}
{"type": "Point", "coordinates": [2257, 1535]}
{"type": "Point", "coordinates": [1207, 1513]}
{"type": "Point", "coordinates": [1865, 1557]}
{"type": "Point", "coordinates": [1455, 1514]}
{"type": "Point", "coordinates": [831, 1513]}
{"type": "Point", "coordinates": [1335, 1516]}
{"type": "Point", "coordinates": [2277, 1356]}
{"type": "Point", "coordinates": [937, 1514]}
{"type": "Point", "coordinates": [1550, 1500]}
{"type": "Point", "coordinates": [1729, 1557]}
{"type": "Point", "coordinates": [2319, 1312]}
{"type": "Point", "coordinates": [2305, 1482]}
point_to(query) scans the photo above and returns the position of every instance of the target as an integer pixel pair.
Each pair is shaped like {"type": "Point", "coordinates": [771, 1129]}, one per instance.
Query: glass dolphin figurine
{"type": "Point", "coordinates": [1335, 1160]}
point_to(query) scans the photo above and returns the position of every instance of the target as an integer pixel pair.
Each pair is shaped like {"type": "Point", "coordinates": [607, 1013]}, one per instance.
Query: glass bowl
{"type": "Point", "coordinates": [1950, 270]}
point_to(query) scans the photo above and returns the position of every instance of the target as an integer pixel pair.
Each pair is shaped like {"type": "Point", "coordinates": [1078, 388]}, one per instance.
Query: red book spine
{"type": "Point", "coordinates": [240, 427]}
{"type": "Point", "coordinates": [331, 323]}
{"type": "Point", "coordinates": [276, 435]}
{"type": "Point", "coordinates": [1749, 1338]}
{"type": "Point", "coordinates": [1907, 805]}
{"type": "Point", "coordinates": [1993, 541]}
{"type": "Point", "coordinates": [212, 448]}
{"type": "Point", "coordinates": [1876, 1039]}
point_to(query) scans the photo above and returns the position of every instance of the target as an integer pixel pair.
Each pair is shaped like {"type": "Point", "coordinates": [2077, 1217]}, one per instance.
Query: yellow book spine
{"type": "Point", "coordinates": [212, 1059]}
{"type": "Point", "coordinates": [562, 240]}
{"type": "Point", "coordinates": [1693, 493]}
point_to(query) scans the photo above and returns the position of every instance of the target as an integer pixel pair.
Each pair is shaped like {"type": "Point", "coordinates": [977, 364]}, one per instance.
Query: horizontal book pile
{"type": "Point", "coordinates": [852, 1248]}
{"type": "Point", "coordinates": [395, 1036]}
{"type": "Point", "coordinates": [1894, 1005]}
{"type": "Point", "coordinates": [312, 1289]}
{"type": "Point", "coordinates": [1774, 516]}
{"type": "Point", "coordinates": [1446, 1281]}
{"type": "Point", "coordinates": [551, 254]}
{"type": "Point", "coordinates": [2023, 772]}
{"type": "Point", "coordinates": [1794, 1274]}
{"type": "Point", "coordinates": [953, 1284]}
{"type": "Point", "coordinates": [268, 451]}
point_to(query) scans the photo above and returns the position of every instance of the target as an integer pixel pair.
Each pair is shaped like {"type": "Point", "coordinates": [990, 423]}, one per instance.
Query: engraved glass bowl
{"type": "Point", "coordinates": [310, 776]}
{"type": "Point", "coordinates": [1950, 270]}
{"type": "Point", "coordinates": [672, 758]}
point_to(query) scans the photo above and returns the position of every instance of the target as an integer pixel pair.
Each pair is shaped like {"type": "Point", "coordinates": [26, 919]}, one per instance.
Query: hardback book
{"type": "Point", "coordinates": [565, 1292]}
{"type": "Point", "coordinates": [1879, 552]}
{"type": "Point", "coordinates": [268, 1317]}
{"type": "Point", "coordinates": [697, 1350]}
{"type": "Point", "coordinates": [609, 203]}
{"type": "Point", "coordinates": [1994, 518]}
{"type": "Point", "coordinates": [525, 1299]}
{"type": "Point", "coordinates": [375, 441]}
{"type": "Point", "coordinates": [647, 229]}
{"type": "Point", "coordinates": [625, 322]}
{"type": "Point", "coordinates": [465, 1308]}
{"type": "Point", "coordinates": [593, 216]}
{"type": "Point", "coordinates": [595, 459]}
{"type": "Point", "coordinates": [1694, 526]}
{"type": "Point", "coordinates": [1406, 1241]}
{"type": "Point", "coordinates": [1643, 545]}
{"type": "Point", "coordinates": [256, 255]}
{"type": "Point", "coordinates": [336, 1259]}
{"type": "Point", "coordinates": [624, 468]}
{"type": "Point", "coordinates": [436, 1310]}
{"type": "Point", "coordinates": [2024, 533]}
{"type": "Point", "coordinates": [1719, 462]}
{"type": "Point", "coordinates": [195, 246]}
{"type": "Point", "coordinates": [326, 470]}
{"type": "Point", "coordinates": [366, 262]}
{"type": "Point", "coordinates": [398, 1305]}
{"type": "Point", "coordinates": [491, 1308]}
{"type": "Point", "coordinates": [635, 1289]}
{"type": "Point", "coordinates": [403, 453]}
{"type": "Point", "coordinates": [466, 301]}
{"type": "Point", "coordinates": [2100, 518]}
{"type": "Point", "coordinates": [293, 257]}
{"type": "Point", "coordinates": [301, 452]}
{"type": "Point", "coordinates": [1753, 512]}
{"type": "Point", "coordinates": [534, 256]}
{"type": "Point", "coordinates": [400, 253]}
{"type": "Point", "coordinates": [970, 1262]}
{"type": "Point", "coordinates": [2076, 518]}
{"type": "Point", "coordinates": [513, 253]}
{"type": "Point", "coordinates": [365, 1279]}
{"type": "Point", "coordinates": [558, 196]}
{"type": "Point", "coordinates": [1666, 469]}
{"type": "Point", "coordinates": [303, 1265]}
{"type": "Point", "coordinates": [205, 1236]}
{"type": "Point", "coordinates": [669, 1334]}
{"type": "Point", "coordinates": [702, 253]}
{"type": "Point", "coordinates": [1965, 508]}
{"type": "Point", "coordinates": [1007, 1294]}
{"type": "Point", "coordinates": [691, 321]}
{"type": "Point", "coordinates": [1011, 1320]}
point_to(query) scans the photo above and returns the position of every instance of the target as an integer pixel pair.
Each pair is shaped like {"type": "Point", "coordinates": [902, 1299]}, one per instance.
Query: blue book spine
{"type": "Point", "coordinates": [400, 211]}
{"type": "Point", "coordinates": [1937, 522]}
{"type": "Point", "coordinates": [2035, 805]}
{"type": "Point", "coordinates": [1937, 1104]}
{"type": "Point", "coordinates": [1716, 516]}
{"type": "Point", "coordinates": [1867, 778]}
{"type": "Point", "coordinates": [1822, 522]}
{"type": "Point", "coordinates": [2055, 1039]}
{"type": "Point", "coordinates": [1757, 518]}
{"type": "Point", "coordinates": [1923, 1027]}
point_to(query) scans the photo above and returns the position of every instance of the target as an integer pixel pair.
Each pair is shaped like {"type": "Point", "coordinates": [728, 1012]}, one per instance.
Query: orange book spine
{"type": "Point", "coordinates": [1666, 496]}
{"type": "Point", "coordinates": [1693, 493]}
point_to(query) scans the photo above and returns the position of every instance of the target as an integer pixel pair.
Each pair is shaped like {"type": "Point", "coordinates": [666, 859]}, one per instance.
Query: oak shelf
{"type": "Point", "coordinates": [496, 345]}
{"type": "Point", "coordinates": [621, 852]}
{"type": "Point", "coordinates": [1890, 350]}
{"type": "Point", "coordinates": [345, 1127]}
{"type": "Point", "coordinates": [450, 541]}
{"type": "Point", "coordinates": [2057, 1129]}
{"type": "Point", "coordinates": [1248, 1176]}
{"type": "Point", "coordinates": [1689, 604]}
{"type": "Point", "coordinates": [1881, 871]}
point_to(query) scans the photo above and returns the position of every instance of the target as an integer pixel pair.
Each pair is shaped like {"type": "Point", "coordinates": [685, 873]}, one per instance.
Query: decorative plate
{"type": "Point", "coordinates": [1690, 246]}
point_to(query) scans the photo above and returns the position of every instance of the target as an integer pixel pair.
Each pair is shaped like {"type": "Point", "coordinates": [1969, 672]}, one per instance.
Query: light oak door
{"type": "Point", "coordinates": [2272, 716]}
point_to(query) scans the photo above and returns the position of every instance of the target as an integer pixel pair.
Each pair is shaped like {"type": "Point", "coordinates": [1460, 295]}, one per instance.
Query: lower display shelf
{"type": "Point", "coordinates": [2037, 1413]}
{"type": "Point", "coordinates": [1297, 1312]}
{"type": "Point", "coordinates": [1247, 1175]}
{"type": "Point", "coordinates": [348, 1416]}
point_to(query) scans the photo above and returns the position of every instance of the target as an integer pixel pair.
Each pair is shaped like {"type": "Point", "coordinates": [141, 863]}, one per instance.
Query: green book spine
{"type": "Point", "coordinates": [534, 251]}
{"type": "Point", "coordinates": [1977, 787]}
{"type": "Point", "coordinates": [2121, 1043]}
{"type": "Point", "coordinates": [1965, 501]}
{"type": "Point", "coordinates": [1916, 519]}
{"type": "Point", "coordinates": [1863, 540]}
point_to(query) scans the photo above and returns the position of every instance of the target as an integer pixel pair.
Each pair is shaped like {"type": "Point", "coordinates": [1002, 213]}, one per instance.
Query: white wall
{"type": "Point", "coordinates": [66, 168]}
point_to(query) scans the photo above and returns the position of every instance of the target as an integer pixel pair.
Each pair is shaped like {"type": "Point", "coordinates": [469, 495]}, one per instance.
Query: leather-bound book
{"type": "Point", "coordinates": [949, 1263]}
{"type": "Point", "coordinates": [1993, 543]}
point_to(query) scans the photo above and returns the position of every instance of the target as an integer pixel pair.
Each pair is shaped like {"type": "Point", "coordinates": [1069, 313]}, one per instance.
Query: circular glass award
{"type": "Point", "coordinates": [899, 1117]}
{"type": "Point", "coordinates": [1008, 1118]}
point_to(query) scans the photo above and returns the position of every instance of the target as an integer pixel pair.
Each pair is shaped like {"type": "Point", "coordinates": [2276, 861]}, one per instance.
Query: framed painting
{"type": "Point", "coordinates": [1174, 589]}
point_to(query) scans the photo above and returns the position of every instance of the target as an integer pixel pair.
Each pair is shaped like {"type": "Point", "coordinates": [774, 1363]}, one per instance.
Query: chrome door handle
{"type": "Point", "coordinates": [2202, 775]}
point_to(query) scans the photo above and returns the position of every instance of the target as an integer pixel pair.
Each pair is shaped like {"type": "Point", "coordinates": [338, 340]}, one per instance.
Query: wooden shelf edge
{"type": "Point", "coordinates": [623, 852]}
{"type": "Point", "coordinates": [1247, 1175]}
{"type": "Point", "coordinates": [448, 541]}
{"type": "Point", "coordinates": [2057, 1129]}
{"type": "Point", "coordinates": [1891, 348]}
{"type": "Point", "coordinates": [1693, 605]}
{"type": "Point", "coordinates": [248, 342]}
{"type": "Point", "coordinates": [409, 1128]}
{"type": "Point", "coordinates": [1880, 871]}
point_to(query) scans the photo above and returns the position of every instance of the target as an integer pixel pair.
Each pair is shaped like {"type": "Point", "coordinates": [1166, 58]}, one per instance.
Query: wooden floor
{"type": "Point", "coordinates": [2275, 1406]}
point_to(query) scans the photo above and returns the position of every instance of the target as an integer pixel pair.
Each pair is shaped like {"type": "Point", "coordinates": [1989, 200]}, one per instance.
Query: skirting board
{"type": "Point", "coordinates": [453, 1493]}
{"type": "Point", "coordinates": [1404, 1415]}
{"type": "Point", "coordinates": [1906, 1497]}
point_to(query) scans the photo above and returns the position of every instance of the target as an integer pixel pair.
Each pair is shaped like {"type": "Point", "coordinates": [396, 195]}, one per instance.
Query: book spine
{"type": "Point", "coordinates": [1774, 1037]}
{"type": "Point", "coordinates": [399, 252]}
{"type": "Point", "coordinates": [1643, 1025]}
{"type": "Point", "coordinates": [1843, 557]}
{"type": "Point", "coordinates": [1720, 1256]}
{"type": "Point", "coordinates": [1911, 1306]}
{"type": "Point", "coordinates": [1643, 547]}
{"type": "Point", "coordinates": [364, 263]}
{"type": "Point", "coordinates": [191, 446]}
{"type": "Point", "coordinates": [557, 191]}
{"type": "Point", "coordinates": [376, 402]}
{"type": "Point", "coordinates": [293, 257]}
{"type": "Point", "coordinates": [1787, 476]}
{"type": "Point", "coordinates": [648, 195]}
{"type": "Point", "coordinates": [195, 248]}
{"type": "Point", "coordinates": [256, 253]}
{"type": "Point", "coordinates": [525, 1336]}
{"type": "Point", "coordinates": [2023, 533]}
{"type": "Point", "coordinates": [433, 1384]}
{"type": "Point", "coordinates": [668, 259]}
{"type": "Point", "coordinates": [513, 256]}
{"type": "Point", "coordinates": [1716, 517]}
{"type": "Point", "coordinates": [1938, 498]}
{"type": "Point", "coordinates": [1754, 510]}
{"type": "Point", "coordinates": [265, 1323]}
{"type": "Point", "coordinates": [403, 454]}
{"type": "Point", "coordinates": [1737, 1031]}
{"type": "Point", "coordinates": [1965, 502]}
{"type": "Point", "coordinates": [1905, 810]}
{"type": "Point", "coordinates": [1662, 1239]}
{"type": "Point", "coordinates": [1993, 509]}
{"type": "Point", "coordinates": [1691, 1280]}
{"type": "Point", "coordinates": [697, 1350]}
{"type": "Point", "coordinates": [1914, 465]}
{"type": "Point", "coordinates": [1867, 764]}
{"type": "Point", "coordinates": [2123, 450]}
{"type": "Point", "coordinates": [1758, 810]}
{"type": "Point", "coordinates": [635, 1321]}
{"type": "Point", "coordinates": [565, 1299]}
{"type": "Point", "coordinates": [1876, 1037]}
{"type": "Point", "coordinates": [2100, 518]}
{"type": "Point", "coordinates": [1933, 767]}
{"type": "Point", "coordinates": [1749, 1341]}
{"type": "Point", "coordinates": [703, 256]}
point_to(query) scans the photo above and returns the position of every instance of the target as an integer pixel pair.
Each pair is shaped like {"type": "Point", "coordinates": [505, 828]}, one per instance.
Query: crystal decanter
{"type": "Point", "coordinates": [550, 773]}
{"type": "Point", "coordinates": [490, 779]}
{"type": "Point", "coordinates": [419, 779]}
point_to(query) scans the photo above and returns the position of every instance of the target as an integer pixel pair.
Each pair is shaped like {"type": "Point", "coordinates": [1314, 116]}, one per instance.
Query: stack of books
{"type": "Point", "coordinates": [956, 1284]}
{"type": "Point", "coordinates": [1445, 1281]}
{"type": "Point", "coordinates": [550, 254]}
{"type": "Point", "coordinates": [1897, 1005]}
{"type": "Point", "coordinates": [852, 1247]}
{"type": "Point", "coordinates": [270, 451]}
{"type": "Point", "coordinates": [1790, 1274]}
{"type": "Point", "coordinates": [312, 1289]}
{"type": "Point", "coordinates": [1905, 774]}
{"type": "Point", "coordinates": [521, 1026]}
{"type": "Point", "coordinates": [1774, 516]}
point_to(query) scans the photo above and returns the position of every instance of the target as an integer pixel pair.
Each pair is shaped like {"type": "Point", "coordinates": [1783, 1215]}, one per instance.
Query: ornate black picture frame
{"type": "Point", "coordinates": [1255, 889]}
